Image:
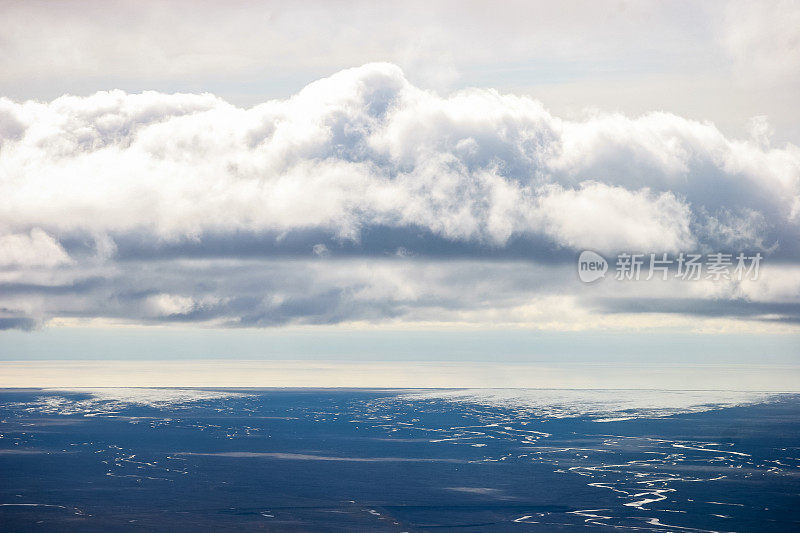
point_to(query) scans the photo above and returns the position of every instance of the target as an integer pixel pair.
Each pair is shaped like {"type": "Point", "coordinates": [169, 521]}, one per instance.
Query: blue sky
{"type": "Point", "coordinates": [356, 181]}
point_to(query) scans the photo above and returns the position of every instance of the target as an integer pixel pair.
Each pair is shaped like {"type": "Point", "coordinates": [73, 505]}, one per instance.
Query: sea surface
{"type": "Point", "coordinates": [398, 460]}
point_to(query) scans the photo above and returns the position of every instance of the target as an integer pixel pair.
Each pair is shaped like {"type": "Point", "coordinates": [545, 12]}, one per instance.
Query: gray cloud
{"type": "Point", "coordinates": [23, 323]}
{"type": "Point", "coordinates": [788, 311]}
{"type": "Point", "coordinates": [259, 292]}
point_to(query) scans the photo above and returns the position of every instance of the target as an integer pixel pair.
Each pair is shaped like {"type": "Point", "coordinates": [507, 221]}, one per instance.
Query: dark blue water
{"type": "Point", "coordinates": [357, 460]}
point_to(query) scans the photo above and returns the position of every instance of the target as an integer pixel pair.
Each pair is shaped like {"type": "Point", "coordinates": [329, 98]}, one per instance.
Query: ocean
{"type": "Point", "coordinates": [466, 460]}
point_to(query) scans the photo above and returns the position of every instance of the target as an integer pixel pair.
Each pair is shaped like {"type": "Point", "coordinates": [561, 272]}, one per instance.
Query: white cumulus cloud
{"type": "Point", "coordinates": [162, 207]}
{"type": "Point", "coordinates": [364, 148]}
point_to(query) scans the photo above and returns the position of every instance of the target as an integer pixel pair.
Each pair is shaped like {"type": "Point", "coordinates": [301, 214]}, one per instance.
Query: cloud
{"type": "Point", "coordinates": [363, 198]}
{"type": "Point", "coordinates": [152, 40]}
{"type": "Point", "coordinates": [23, 323]}
{"type": "Point", "coordinates": [396, 292]}
{"type": "Point", "coordinates": [33, 249]}
{"type": "Point", "coordinates": [724, 61]}
{"type": "Point", "coordinates": [365, 148]}
{"type": "Point", "coordinates": [168, 304]}
{"type": "Point", "coordinates": [613, 218]}
{"type": "Point", "coordinates": [761, 38]}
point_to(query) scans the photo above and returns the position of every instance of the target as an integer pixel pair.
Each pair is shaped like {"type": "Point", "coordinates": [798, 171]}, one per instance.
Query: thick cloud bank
{"type": "Point", "coordinates": [108, 201]}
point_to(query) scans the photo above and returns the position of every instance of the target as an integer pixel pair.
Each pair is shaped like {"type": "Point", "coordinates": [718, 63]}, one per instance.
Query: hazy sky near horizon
{"type": "Point", "coordinates": [718, 61]}
{"type": "Point", "coordinates": [435, 166]}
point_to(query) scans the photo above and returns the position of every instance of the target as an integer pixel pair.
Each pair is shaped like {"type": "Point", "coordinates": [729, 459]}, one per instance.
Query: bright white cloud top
{"type": "Point", "coordinates": [364, 198]}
